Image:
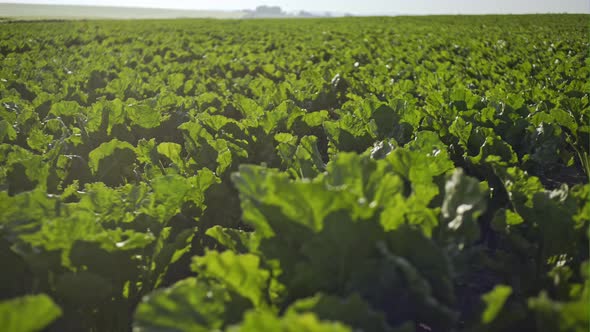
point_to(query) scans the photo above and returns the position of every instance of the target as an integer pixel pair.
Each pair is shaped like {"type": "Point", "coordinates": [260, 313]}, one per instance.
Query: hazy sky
{"type": "Point", "coordinates": [356, 6]}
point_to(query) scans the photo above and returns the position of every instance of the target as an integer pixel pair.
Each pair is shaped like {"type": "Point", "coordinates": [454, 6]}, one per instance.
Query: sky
{"type": "Point", "coordinates": [354, 6]}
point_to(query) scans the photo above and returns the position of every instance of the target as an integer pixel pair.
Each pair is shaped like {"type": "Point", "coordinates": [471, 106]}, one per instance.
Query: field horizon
{"type": "Point", "coordinates": [388, 174]}
{"type": "Point", "coordinates": [14, 11]}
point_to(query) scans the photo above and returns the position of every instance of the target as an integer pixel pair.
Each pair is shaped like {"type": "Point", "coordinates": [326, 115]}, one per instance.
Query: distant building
{"type": "Point", "coordinates": [265, 11]}
{"type": "Point", "coordinates": [277, 12]}
{"type": "Point", "coordinates": [303, 13]}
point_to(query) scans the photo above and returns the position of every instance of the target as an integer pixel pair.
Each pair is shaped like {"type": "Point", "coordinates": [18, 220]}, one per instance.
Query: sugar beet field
{"type": "Point", "coordinates": [400, 174]}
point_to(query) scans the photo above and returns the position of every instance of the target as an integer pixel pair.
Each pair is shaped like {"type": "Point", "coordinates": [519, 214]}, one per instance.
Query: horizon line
{"type": "Point", "coordinates": [129, 6]}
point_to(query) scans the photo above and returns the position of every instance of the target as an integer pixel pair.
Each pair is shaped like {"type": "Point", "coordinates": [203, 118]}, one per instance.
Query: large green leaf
{"type": "Point", "coordinates": [169, 193]}
{"type": "Point", "coordinates": [307, 159]}
{"type": "Point", "coordinates": [190, 305]}
{"type": "Point", "coordinates": [303, 202]}
{"type": "Point", "coordinates": [28, 313]}
{"type": "Point", "coordinates": [349, 134]}
{"type": "Point", "coordinates": [262, 321]}
{"type": "Point", "coordinates": [25, 170]}
{"type": "Point", "coordinates": [241, 273]}
{"type": "Point", "coordinates": [495, 300]}
{"type": "Point", "coordinates": [371, 181]}
{"type": "Point", "coordinates": [61, 233]}
{"type": "Point", "coordinates": [66, 109]}
{"type": "Point", "coordinates": [105, 150]}
{"type": "Point", "coordinates": [7, 131]}
{"type": "Point", "coordinates": [143, 115]}
{"type": "Point", "coordinates": [112, 161]}
{"type": "Point", "coordinates": [172, 152]}
{"type": "Point", "coordinates": [169, 248]}
{"type": "Point", "coordinates": [234, 239]}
